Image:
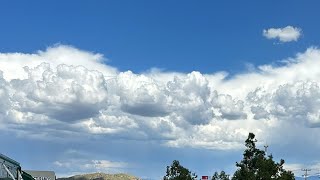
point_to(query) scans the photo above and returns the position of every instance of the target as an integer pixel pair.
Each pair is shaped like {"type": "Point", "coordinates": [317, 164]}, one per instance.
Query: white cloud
{"type": "Point", "coordinates": [285, 34]}
{"type": "Point", "coordinates": [12, 64]}
{"type": "Point", "coordinates": [298, 102]}
{"type": "Point", "coordinates": [65, 93]}
{"type": "Point", "coordinates": [73, 101]}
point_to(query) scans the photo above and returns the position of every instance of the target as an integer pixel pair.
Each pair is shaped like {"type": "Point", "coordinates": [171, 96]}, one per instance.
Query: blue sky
{"type": "Point", "coordinates": [129, 86]}
{"type": "Point", "coordinates": [137, 35]}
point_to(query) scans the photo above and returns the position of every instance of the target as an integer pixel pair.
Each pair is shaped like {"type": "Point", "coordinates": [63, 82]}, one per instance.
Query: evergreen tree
{"type": "Point", "coordinates": [221, 176]}
{"type": "Point", "coordinates": [178, 172]}
{"type": "Point", "coordinates": [256, 166]}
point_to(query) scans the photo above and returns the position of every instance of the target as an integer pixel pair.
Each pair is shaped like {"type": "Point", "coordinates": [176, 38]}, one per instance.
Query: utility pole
{"type": "Point", "coordinates": [305, 173]}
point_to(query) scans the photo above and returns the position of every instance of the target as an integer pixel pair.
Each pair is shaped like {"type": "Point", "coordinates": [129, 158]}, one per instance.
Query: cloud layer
{"type": "Point", "coordinates": [69, 94]}
{"type": "Point", "coordinates": [286, 34]}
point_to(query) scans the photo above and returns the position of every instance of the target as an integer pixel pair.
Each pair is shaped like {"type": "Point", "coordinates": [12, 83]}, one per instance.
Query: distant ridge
{"type": "Point", "coordinates": [101, 176]}
{"type": "Point", "coordinates": [309, 178]}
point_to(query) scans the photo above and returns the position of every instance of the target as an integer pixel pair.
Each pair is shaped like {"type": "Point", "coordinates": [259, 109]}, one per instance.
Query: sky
{"type": "Point", "coordinates": [129, 86]}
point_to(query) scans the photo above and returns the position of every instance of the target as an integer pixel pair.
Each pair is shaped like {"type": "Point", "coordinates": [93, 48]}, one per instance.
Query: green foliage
{"type": "Point", "coordinates": [255, 165]}
{"type": "Point", "coordinates": [221, 176]}
{"type": "Point", "coordinates": [178, 172]}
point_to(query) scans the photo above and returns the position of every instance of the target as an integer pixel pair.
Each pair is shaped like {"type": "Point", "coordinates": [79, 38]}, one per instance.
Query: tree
{"type": "Point", "coordinates": [256, 166]}
{"type": "Point", "coordinates": [221, 176]}
{"type": "Point", "coordinates": [178, 172]}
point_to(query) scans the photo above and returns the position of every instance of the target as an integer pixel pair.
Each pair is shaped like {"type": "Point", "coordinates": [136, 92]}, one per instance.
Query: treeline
{"type": "Point", "coordinates": [255, 165]}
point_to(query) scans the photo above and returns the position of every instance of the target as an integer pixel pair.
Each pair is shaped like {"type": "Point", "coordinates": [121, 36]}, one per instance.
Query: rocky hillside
{"type": "Point", "coordinates": [101, 176]}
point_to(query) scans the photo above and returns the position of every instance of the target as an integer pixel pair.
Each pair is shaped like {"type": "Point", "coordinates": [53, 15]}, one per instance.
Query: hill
{"type": "Point", "coordinates": [101, 176]}
{"type": "Point", "coordinates": [309, 178]}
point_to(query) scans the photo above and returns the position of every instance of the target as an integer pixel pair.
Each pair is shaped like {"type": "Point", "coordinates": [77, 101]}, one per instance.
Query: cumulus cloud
{"type": "Point", "coordinates": [62, 97]}
{"type": "Point", "coordinates": [12, 64]}
{"type": "Point", "coordinates": [297, 102]}
{"type": "Point", "coordinates": [286, 34]}
{"type": "Point", "coordinates": [65, 93]}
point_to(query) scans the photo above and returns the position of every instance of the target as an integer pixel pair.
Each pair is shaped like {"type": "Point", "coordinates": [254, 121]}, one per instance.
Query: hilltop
{"type": "Point", "coordinates": [309, 178]}
{"type": "Point", "coordinates": [101, 176]}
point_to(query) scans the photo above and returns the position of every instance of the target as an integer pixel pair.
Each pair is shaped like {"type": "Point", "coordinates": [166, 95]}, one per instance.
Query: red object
{"type": "Point", "coordinates": [205, 177]}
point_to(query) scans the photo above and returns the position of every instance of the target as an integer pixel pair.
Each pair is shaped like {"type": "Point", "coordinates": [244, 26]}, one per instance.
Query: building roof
{"type": "Point", "coordinates": [9, 160]}
{"type": "Point", "coordinates": [26, 176]}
